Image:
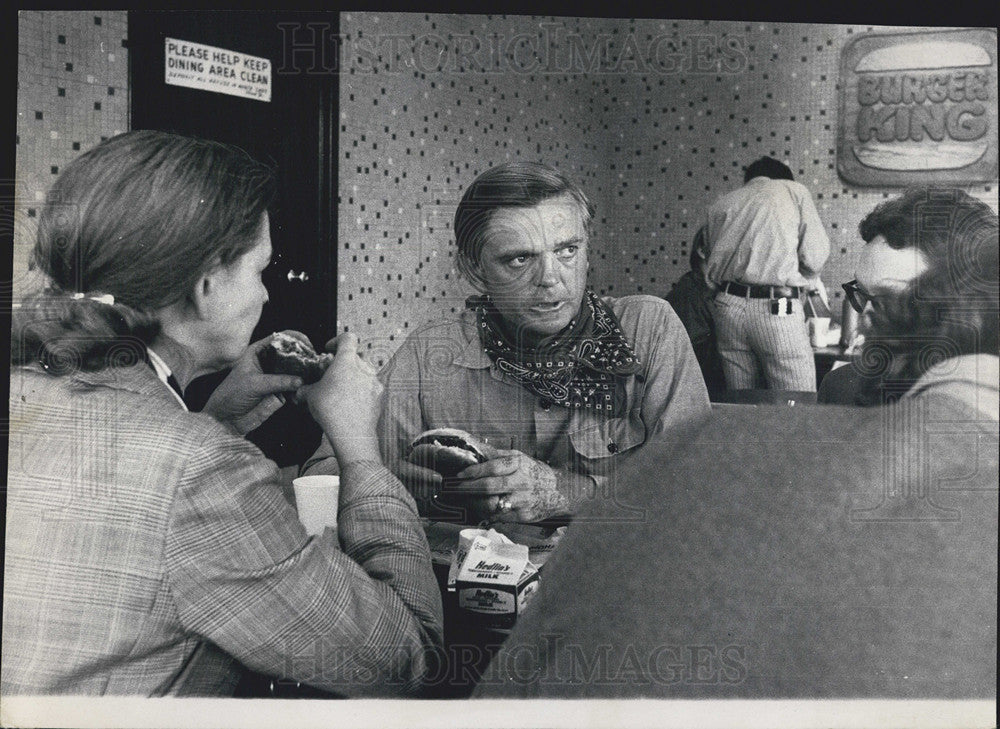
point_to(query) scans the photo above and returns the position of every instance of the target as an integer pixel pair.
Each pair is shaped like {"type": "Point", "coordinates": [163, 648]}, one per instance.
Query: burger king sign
{"type": "Point", "coordinates": [918, 108]}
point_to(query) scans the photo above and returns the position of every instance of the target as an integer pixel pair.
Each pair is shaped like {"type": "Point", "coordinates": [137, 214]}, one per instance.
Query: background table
{"type": "Point", "coordinates": [826, 358]}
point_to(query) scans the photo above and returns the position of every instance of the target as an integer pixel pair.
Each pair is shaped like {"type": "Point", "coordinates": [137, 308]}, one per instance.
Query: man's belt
{"type": "Point", "coordinates": [753, 291]}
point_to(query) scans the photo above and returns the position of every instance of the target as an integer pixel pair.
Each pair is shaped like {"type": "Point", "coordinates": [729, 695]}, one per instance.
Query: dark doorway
{"type": "Point", "coordinates": [296, 131]}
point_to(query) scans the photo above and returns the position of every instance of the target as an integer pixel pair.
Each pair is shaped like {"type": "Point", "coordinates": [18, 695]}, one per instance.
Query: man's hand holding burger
{"type": "Point", "coordinates": [490, 484]}
{"type": "Point", "coordinates": [513, 486]}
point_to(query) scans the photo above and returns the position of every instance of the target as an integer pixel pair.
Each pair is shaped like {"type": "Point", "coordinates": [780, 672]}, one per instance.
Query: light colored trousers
{"type": "Point", "coordinates": [760, 349]}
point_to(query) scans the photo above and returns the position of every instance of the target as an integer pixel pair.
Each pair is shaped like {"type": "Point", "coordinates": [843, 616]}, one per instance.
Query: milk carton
{"type": "Point", "coordinates": [493, 577]}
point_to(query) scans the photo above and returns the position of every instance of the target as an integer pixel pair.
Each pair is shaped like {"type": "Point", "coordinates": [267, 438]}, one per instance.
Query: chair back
{"type": "Point", "coordinates": [767, 397]}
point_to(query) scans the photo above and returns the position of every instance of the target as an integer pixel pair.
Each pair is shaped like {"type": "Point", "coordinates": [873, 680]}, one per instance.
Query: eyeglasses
{"type": "Point", "coordinates": [858, 297]}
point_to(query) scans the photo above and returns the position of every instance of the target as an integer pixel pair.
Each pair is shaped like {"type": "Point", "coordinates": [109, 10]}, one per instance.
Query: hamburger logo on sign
{"type": "Point", "coordinates": [919, 108]}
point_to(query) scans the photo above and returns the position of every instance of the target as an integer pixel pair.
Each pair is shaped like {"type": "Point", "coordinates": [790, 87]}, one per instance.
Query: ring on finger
{"type": "Point", "coordinates": [504, 505]}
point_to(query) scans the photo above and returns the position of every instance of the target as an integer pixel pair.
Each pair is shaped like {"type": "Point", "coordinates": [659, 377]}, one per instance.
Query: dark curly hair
{"type": "Point", "coordinates": [952, 309]}
{"type": "Point", "coordinates": [141, 216]}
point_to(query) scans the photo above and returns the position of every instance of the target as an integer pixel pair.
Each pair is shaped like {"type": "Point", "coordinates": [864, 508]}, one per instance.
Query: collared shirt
{"type": "Point", "coordinates": [972, 378]}
{"type": "Point", "coordinates": [164, 373]}
{"type": "Point", "coordinates": [441, 377]}
{"type": "Point", "coordinates": [147, 547]}
{"type": "Point", "coordinates": [767, 232]}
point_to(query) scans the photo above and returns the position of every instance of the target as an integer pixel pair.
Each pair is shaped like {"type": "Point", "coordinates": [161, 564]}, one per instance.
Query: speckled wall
{"type": "Point", "coordinates": [72, 91]}
{"type": "Point", "coordinates": [429, 101]}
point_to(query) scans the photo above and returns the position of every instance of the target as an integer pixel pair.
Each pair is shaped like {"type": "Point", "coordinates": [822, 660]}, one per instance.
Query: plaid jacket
{"type": "Point", "coordinates": [142, 539]}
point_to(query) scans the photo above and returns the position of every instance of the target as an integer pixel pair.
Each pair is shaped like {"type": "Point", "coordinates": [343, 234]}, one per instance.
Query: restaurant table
{"type": "Point", "coordinates": [468, 646]}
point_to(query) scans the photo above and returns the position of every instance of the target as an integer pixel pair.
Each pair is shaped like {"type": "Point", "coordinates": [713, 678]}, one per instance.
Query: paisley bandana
{"type": "Point", "coordinates": [583, 366]}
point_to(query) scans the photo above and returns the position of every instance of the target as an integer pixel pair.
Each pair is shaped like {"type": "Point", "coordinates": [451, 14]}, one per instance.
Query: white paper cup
{"type": "Point", "coordinates": [316, 500]}
{"type": "Point", "coordinates": [819, 327]}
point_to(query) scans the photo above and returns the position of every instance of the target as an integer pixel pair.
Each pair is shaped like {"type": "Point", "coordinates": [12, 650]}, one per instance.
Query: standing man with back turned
{"type": "Point", "coordinates": [766, 243]}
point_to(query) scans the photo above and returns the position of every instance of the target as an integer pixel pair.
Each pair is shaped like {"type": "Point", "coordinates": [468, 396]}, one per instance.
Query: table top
{"type": "Point", "coordinates": [834, 352]}
{"type": "Point", "coordinates": [540, 539]}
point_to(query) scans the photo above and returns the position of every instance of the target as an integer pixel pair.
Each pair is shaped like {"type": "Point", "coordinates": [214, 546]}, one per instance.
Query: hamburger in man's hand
{"type": "Point", "coordinates": [473, 481]}
{"type": "Point", "coordinates": [446, 451]}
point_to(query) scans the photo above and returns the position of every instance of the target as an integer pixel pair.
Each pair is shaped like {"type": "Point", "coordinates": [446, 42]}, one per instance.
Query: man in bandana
{"type": "Point", "coordinates": [560, 382]}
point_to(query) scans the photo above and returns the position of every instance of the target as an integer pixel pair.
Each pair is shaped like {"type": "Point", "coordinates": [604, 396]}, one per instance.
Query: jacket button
{"type": "Point", "coordinates": [612, 447]}
{"type": "Point", "coordinates": [544, 404]}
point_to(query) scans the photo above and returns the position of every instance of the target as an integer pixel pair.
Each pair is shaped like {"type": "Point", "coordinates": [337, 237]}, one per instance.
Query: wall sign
{"type": "Point", "coordinates": [919, 108]}
{"type": "Point", "coordinates": [198, 66]}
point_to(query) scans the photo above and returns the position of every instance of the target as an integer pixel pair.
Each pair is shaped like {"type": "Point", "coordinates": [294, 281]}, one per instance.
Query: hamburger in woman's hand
{"type": "Point", "coordinates": [287, 355]}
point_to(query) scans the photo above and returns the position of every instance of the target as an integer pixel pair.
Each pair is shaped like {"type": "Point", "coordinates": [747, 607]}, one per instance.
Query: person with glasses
{"type": "Point", "coordinates": [859, 297]}
{"type": "Point", "coordinates": [837, 551]}
{"type": "Point", "coordinates": [925, 290]}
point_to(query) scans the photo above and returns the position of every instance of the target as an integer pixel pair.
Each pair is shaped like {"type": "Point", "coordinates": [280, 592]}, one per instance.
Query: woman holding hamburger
{"type": "Point", "coordinates": [150, 550]}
